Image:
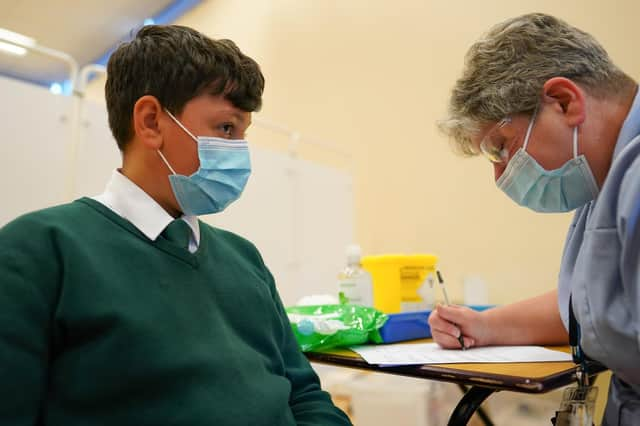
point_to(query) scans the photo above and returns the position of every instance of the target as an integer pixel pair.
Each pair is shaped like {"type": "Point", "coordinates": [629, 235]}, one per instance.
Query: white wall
{"type": "Point", "coordinates": [34, 128]}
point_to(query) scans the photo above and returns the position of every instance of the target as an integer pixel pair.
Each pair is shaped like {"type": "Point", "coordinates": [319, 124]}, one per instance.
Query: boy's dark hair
{"type": "Point", "coordinates": [176, 64]}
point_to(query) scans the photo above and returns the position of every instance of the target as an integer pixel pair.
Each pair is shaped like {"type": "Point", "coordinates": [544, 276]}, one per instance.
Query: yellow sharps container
{"type": "Point", "coordinates": [397, 278]}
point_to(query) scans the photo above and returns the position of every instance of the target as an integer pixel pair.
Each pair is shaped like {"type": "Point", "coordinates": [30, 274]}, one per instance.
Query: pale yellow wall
{"type": "Point", "coordinates": [372, 76]}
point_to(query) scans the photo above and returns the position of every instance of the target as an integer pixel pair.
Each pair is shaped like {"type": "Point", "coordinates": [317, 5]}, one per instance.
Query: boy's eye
{"type": "Point", "coordinates": [227, 129]}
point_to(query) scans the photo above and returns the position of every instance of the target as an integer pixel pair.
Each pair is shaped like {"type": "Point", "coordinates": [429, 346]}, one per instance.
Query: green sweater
{"type": "Point", "coordinates": [101, 326]}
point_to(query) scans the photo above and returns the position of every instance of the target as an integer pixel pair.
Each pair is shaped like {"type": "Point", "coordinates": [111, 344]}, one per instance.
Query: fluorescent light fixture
{"type": "Point", "coordinates": [12, 49]}
{"type": "Point", "coordinates": [15, 38]}
{"type": "Point", "coordinates": [55, 88]}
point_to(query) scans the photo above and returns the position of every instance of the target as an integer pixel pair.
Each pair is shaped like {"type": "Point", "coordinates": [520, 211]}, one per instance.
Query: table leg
{"type": "Point", "coordinates": [469, 404]}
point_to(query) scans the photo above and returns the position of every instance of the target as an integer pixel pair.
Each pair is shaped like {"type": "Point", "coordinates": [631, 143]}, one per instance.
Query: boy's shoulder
{"type": "Point", "coordinates": [48, 217]}
{"type": "Point", "coordinates": [79, 216]}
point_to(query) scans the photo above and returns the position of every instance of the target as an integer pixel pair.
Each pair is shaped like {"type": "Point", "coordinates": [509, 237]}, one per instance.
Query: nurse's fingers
{"type": "Point", "coordinates": [449, 322]}
{"type": "Point", "coordinates": [441, 325]}
{"type": "Point", "coordinates": [447, 341]}
{"type": "Point", "coordinates": [460, 315]}
{"type": "Point", "coordinates": [469, 342]}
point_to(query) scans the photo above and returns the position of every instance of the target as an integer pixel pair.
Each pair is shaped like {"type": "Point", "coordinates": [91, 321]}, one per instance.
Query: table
{"type": "Point", "coordinates": [482, 379]}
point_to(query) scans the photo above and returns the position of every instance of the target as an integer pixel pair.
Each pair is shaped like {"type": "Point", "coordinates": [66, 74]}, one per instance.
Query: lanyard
{"type": "Point", "coordinates": [577, 354]}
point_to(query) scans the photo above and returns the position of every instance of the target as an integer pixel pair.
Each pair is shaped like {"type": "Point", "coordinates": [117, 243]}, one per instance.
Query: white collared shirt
{"type": "Point", "coordinates": [129, 201]}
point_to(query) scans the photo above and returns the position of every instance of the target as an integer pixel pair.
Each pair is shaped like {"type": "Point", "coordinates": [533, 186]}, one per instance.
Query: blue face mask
{"type": "Point", "coordinates": [548, 191]}
{"type": "Point", "coordinates": [225, 167]}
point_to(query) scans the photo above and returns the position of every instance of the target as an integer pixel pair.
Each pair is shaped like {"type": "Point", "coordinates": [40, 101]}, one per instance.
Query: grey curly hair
{"type": "Point", "coordinates": [506, 69]}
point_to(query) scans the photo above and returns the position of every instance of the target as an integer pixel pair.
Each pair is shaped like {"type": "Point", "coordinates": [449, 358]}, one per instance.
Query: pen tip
{"type": "Point", "coordinates": [439, 277]}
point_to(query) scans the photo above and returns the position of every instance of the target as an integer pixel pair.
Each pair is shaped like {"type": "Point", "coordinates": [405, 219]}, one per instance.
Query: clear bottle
{"type": "Point", "coordinates": [354, 283]}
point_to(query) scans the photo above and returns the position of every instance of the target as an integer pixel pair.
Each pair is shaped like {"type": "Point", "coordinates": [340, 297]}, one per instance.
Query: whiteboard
{"type": "Point", "coordinates": [298, 213]}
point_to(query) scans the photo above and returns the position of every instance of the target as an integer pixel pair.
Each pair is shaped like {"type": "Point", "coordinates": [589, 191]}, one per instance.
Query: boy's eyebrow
{"type": "Point", "coordinates": [239, 117]}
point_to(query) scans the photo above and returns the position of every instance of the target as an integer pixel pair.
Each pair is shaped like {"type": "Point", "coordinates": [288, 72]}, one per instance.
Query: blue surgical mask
{"type": "Point", "coordinates": [225, 167]}
{"type": "Point", "coordinates": [549, 191]}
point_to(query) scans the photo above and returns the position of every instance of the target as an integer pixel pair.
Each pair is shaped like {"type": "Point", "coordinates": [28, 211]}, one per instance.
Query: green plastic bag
{"type": "Point", "coordinates": [327, 326]}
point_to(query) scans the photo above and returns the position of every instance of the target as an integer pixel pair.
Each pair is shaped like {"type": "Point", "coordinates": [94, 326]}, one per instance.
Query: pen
{"type": "Point", "coordinates": [446, 303]}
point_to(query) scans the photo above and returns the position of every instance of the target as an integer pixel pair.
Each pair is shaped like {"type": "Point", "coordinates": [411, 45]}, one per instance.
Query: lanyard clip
{"type": "Point", "coordinates": [582, 376]}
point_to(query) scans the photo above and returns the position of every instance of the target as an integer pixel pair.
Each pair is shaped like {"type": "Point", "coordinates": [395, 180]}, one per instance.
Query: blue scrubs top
{"type": "Point", "coordinates": [601, 270]}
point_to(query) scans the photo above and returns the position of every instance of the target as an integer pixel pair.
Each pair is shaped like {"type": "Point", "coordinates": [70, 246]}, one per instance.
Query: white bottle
{"type": "Point", "coordinates": [354, 282]}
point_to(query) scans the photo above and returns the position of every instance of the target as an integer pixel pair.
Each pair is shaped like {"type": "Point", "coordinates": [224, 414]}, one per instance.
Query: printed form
{"type": "Point", "coordinates": [431, 353]}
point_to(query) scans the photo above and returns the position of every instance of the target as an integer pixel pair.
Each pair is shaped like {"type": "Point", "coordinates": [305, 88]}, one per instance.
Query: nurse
{"type": "Point", "coordinates": [560, 124]}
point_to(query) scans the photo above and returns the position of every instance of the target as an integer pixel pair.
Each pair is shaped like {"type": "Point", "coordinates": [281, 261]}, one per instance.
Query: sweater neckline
{"type": "Point", "coordinates": [160, 243]}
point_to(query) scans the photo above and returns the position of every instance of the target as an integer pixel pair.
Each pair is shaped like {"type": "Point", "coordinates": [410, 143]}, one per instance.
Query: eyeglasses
{"type": "Point", "coordinates": [496, 143]}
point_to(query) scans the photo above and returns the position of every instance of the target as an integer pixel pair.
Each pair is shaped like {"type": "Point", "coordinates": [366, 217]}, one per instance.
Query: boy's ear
{"type": "Point", "coordinates": [146, 122]}
{"type": "Point", "coordinates": [567, 98]}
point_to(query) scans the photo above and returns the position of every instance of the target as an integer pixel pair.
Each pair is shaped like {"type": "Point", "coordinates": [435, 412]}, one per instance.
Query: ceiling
{"type": "Point", "coordinates": [87, 30]}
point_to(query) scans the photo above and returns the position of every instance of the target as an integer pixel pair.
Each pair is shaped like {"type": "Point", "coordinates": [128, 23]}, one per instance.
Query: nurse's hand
{"type": "Point", "coordinates": [447, 322]}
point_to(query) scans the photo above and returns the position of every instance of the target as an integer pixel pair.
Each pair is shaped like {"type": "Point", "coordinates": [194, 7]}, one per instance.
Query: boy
{"type": "Point", "coordinates": [124, 309]}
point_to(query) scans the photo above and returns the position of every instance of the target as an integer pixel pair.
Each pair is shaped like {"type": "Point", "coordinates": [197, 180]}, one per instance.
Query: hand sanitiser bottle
{"type": "Point", "coordinates": [354, 283]}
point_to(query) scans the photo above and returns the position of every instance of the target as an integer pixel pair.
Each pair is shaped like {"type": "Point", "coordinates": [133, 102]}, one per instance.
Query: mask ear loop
{"type": "Point", "coordinates": [575, 142]}
{"type": "Point", "coordinates": [529, 129]}
{"type": "Point", "coordinates": [183, 128]}
{"type": "Point", "coordinates": [167, 163]}
{"type": "Point", "coordinates": [181, 125]}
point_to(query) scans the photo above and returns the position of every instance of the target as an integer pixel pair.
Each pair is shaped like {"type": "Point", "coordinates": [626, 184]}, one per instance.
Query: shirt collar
{"type": "Point", "coordinates": [129, 201]}
{"type": "Point", "coordinates": [631, 126]}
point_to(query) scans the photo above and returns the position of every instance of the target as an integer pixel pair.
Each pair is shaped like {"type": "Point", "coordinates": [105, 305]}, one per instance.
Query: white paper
{"type": "Point", "coordinates": [431, 353]}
